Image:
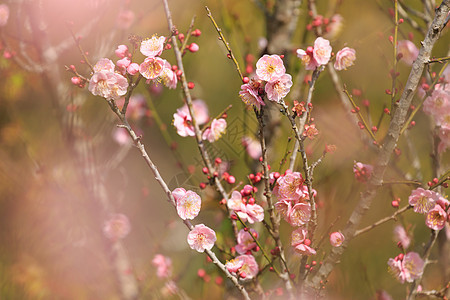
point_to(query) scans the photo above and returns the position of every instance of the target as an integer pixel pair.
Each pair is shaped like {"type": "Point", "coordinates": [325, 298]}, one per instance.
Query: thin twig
{"type": "Point", "coordinates": [382, 221]}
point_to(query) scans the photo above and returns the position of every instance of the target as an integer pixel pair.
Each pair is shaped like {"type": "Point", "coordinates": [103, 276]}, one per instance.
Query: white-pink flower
{"type": "Point", "coordinates": [249, 268]}
{"type": "Point", "coordinates": [152, 67]}
{"type": "Point", "coordinates": [109, 85]}
{"type": "Point", "coordinates": [122, 51]}
{"type": "Point", "coordinates": [183, 123]}
{"type": "Point", "coordinates": [117, 227]}
{"type": "Point", "coordinates": [163, 266]}
{"type": "Point", "coordinates": [298, 236]}
{"type": "Point", "coordinates": [304, 249]}
{"type": "Point", "coordinates": [169, 77]}
{"type": "Point", "coordinates": [322, 51]}
{"type": "Point", "coordinates": [245, 241]}
{"type": "Point", "coordinates": [422, 200]}
{"type": "Point", "coordinates": [408, 50]}
{"type": "Point", "coordinates": [438, 102]}
{"type": "Point", "coordinates": [336, 239]}
{"type": "Point", "coordinates": [188, 205]}
{"type": "Point", "coordinates": [406, 267]}
{"type": "Point", "coordinates": [290, 187]}
{"type": "Point", "coordinates": [153, 47]}
{"type": "Point", "coordinates": [254, 212]}
{"type": "Point", "coordinates": [201, 238]}
{"type": "Point", "coordinates": [345, 58]}
{"type": "Point", "coordinates": [270, 68]}
{"type": "Point", "coordinates": [215, 131]}
{"type": "Point", "coordinates": [4, 14]}
{"type": "Point", "coordinates": [278, 89]}
{"type": "Point", "coordinates": [250, 94]}
{"type": "Point", "coordinates": [246, 212]}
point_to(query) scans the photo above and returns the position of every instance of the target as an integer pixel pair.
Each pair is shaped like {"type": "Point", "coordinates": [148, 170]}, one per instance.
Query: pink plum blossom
{"type": "Point", "coordinates": [249, 267]}
{"type": "Point", "coordinates": [245, 241]}
{"type": "Point", "coordinates": [252, 146]}
{"type": "Point", "coordinates": [278, 89]}
{"type": "Point", "coordinates": [125, 19]}
{"type": "Point", "coordinates": [345, 58]}
{"type": "Point", "coordinates": [401, 236]}
{"type": "Point", "coordinates": [255, 213]}
{"type": "Point", "coordinates": [270, 68]}
{"type": "Point", "coordinates": [169, 77]}
{"type": "Point", "coordinates": [406, 267]}
{"type": "Point", "coordinates": [246, 212]}
{"type": "Point", "coordinates": [408, 50]}
{"type": "Point", "coordinates": [163, 266]}
{"type": "Point", "coordinates": [362, 171]}
{"type": "Point", "coordinates": [122, 65]}
{"type": "Point", "coordinates": [307, 58]}
{"type": "Point", "coordinates": [283, 207]}
{"type": "Point", "coordinates": [108, 85]}
{"type": "Point", "coordinates": [201, 238]}
{"type": "Point", "coordinates": [152, 67]}
{"type": "Point", "coordinates": [4, 14]}
{"type": "Point", "coordinates": [215, 131]}
{"type": "Point", "coordinates": [322, 51]}
{"type": "Point", "coordinates": [104, 64]}
{"type": "Point", "coordinates": [234, 265]}
{"type": "Point", "coordinates": [133, 69]}
{"type": "Point", "coordinates": [438, 102]}
{"type": "Point", "coordinates": [290, 187]}
{"type": "Point", "coordinates": [153, 47]}
{"type": "Point", "coordinates": [304, 249]}
{"type": "Point", "coordinates": [183, 123]}
{"type": "Point", "coordinates": [122, 51]}
{"type": "Point", "coordinates": [436, 218]}
{"type": "Point", "coordinates": [250, 94]}
{"type": "Point", "coordinates": [178, 193]}
{"type": "Point", "coordinates": [298, 236]}
{"type": "Point", "coordinates": [422, 200]}
{"type": "Point", "coordinates": [299, 214]}
{"type": "Point", "coordinates": [235, 202]}
{"type": "Point", "coordinates": [188, 206]}
{"type": "Point", "coordinates": [336, 239]}
{"type": "Point", "coordinates": [117, 227]}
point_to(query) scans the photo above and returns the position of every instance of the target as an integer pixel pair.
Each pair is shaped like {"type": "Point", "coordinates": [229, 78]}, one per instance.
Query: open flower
{"type": "Point", "coordinates": [307, 58]}
{"type": "Point", "coordinates": [188, 205]}
{"type": "Point", "coordinates": [107, 84]}
{"type": "Point", "coordinates": [336, 239]}
{"type": "Point", "coordinates": [152, 67]}
{"type": "Point", "coordinates": [436, 218]}
{"type": "Point", "coordinates": [215, 131]}
{"type": "Point", "coordinates": [245, 241]}
{"type": "Point", "coordinates": [104, 64]}
{"type": "Point", "coordinates": [234, 265]}
{"type": "Point", "coordinates": [406, 267]}
{"type": "Point", "coordinates": [345, 58]}
{"type": "Point", "coordinates": [182, 122]}
{"type": "Point", "coordinates": [290, 187]}
{"type": "Point", "coordinates": [153, 47]}
{"type": "Point", "coordinates": [401, 236]}
{"type": "Point", "coordinates": [423, 200]}
{"type": "Point", "coordinates": [299, 214]}
{"type": "Point", "coordinates": [304, 249]}
{"type": "Point", "coordinates": [322, 51]}
{"type": "Point", "coordinates": [298, 236]}
{"type": "Point", "coordinates": [201, 238]}
{"type": "Point", "coordinates": [246, 212]}
{"type": "Point", "coordinates": [249, 268]}
{"type": "Point", "coordinates": [270, 68]}
{"type": "Point", "coordinates": [278, 89]}
{"type": "Point", "coordinates": [250, 94]}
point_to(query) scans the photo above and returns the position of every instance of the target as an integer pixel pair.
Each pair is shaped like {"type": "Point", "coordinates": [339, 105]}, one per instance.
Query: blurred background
{"type": "Point", "coordinates": [65, 168]}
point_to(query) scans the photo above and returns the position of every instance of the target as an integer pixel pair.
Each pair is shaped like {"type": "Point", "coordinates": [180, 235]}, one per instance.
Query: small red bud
{"type": "Point", "coordinates": [435, 180]}
{"type": "Point", "coordinates": [245, 79]}
{"type": "Point", "coordinates": [231, 179]}
{"type": "Point", "coordinates": [394, 203]}
{"type": "Point", "coordinates": [205, 170]}
{"type": "Point", "coordinates": [307, 242]}
{"type": "Point", "coordinates": [400, 21]}
{"type": "Point", "coordinates": [191, 85]}
{"type": "Point", "coordinates": [202, 185]}
{"type": "Point", "coordinates": [218, 160]}
{"type": "Point", "coordinates": [181, 37]}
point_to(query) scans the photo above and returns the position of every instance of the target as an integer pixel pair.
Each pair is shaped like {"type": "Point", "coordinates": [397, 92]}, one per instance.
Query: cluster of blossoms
{"type": "Point", "coordinates": [320, 55]}
{"type": "Point", "coordinates": [294, 206]}
{"type": "Point", "coordinates": [109, 81]}
{"type": "Point", "coordinates": [116, 227]}
{"type": "Point", "coordinates": [182, 120]}
{"type": "Point", "coordinates": [246, 209]}
{"type": "Point", "coordinates": [433, 205]}
{"type": "Point", "coordinates": [244, 266]}
{"type": "Point", "coordinates": [271, 80]}
{"type": "Point", "coordinates": [406, 267]}
{"type": "Point", "coordinates": [438, 106]}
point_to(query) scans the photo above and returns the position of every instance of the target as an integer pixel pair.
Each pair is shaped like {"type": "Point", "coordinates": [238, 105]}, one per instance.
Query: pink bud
{"type": "Point", "coordinates": [133, 69]}
{"type": "Point", "coordinates": [336, 239]}
{"type": "Point", "coordinates": [193, 47]}
{"type": "Point", "coordinates": [76, 80]}
{"type": "Point", "coordinates": [124, 62]}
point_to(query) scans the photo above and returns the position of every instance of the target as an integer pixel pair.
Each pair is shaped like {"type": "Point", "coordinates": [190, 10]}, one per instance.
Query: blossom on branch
{"type": "Point", "coordinates": [270, 68]}
{"type": "Point", "coordinates": [107, 83]}
{"type": "Point", "coordinates": [423, 200]}
{"type": "Point", "coordinates": [278, 89]}
{"type": "Point", "coordinates": [188, 203]}
{"type": "Point", "coordinates": [436, 217]}
{"type": "Point", "coordinates": [245, 241]}
{"type": "Point", "coordinates": [201, 238]}
{"type": "Point", "coordinates": [215, 131]}
{"type": "Point", "coordinates": [250, 93]}
{"type": "Point", "coordinates": [153, 46]}
{"type": "Point", "coordinates": [345, 58]}
{"type": "Point", "coordinates": [152, 67]}
{"type": "Point", "coordinates": [336, 239]}
{"type": "Point", "coordinates": [406, 267]}
{"type": "Point", "coordinates": [246, 212]}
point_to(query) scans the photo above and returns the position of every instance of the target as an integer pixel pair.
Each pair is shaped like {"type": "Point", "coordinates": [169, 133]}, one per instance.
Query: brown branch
{"type": "Point", "coordinates": [382, 221]}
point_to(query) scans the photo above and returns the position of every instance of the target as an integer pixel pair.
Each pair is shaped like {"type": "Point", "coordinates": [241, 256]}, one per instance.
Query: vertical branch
{"type": "Point", "coordinates": [389, 144]}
